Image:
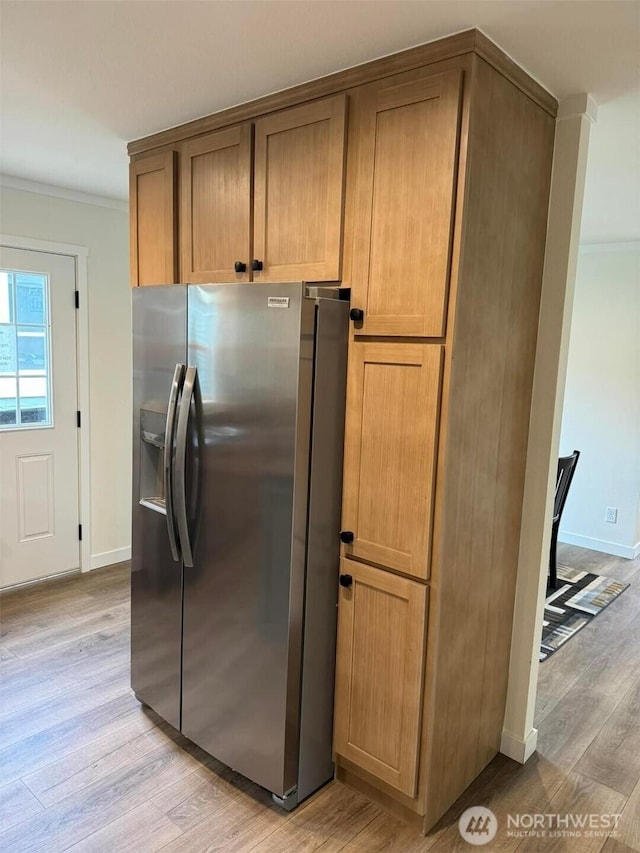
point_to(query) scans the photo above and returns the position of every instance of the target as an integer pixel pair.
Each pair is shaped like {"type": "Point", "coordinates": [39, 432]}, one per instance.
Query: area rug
{"type": "Point", "coordinates": [577, 599]}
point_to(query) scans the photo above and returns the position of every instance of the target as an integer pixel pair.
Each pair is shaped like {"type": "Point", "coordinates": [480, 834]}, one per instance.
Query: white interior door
{"type": "Point", "coordinates": [39, 510]}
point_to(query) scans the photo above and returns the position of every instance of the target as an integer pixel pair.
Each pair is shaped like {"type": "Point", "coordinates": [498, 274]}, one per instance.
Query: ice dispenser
{"type": "Point", "coordinates": [152, 441]}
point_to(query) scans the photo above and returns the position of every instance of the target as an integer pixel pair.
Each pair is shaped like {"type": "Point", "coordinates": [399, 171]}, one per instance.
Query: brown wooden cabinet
{"type": "Point", "coordinates": [299, 189]}
{"type": "Point", "coordinates": [379, 672]}
{"type": "Point", "coordinates": [277, 210]}
{"type": "Point", "coordinates": [153, 219]}
{"type": "Point", "coordinates": [448, 213]}
{"type": "Point", "coordinates": [390, 449]}
{"type": "Point", "coordinates": [215, 205]}
{"type": "Point", "coordinates": [407, 146]}
{"type": "Point", "coordinates": [446, 195]}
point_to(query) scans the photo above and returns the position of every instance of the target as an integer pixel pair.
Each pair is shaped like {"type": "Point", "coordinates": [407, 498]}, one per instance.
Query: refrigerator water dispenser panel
{"type": "Point", "coordinates": [152, 435]}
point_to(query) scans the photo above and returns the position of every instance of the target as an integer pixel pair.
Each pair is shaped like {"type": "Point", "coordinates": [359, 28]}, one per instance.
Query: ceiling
{"type": "Point", "coordinates": [80, 79]}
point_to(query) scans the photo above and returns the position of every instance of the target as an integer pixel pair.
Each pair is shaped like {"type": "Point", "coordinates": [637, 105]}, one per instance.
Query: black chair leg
{"type": "Point", "coordinates": [553, 569]}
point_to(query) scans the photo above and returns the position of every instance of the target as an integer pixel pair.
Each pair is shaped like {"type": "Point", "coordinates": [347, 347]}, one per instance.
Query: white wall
{"type": "Point", "coordinates": [104, 230]}
{"type": "Point", "coordinates": [573, 126]}
{"type": "Point", "coordinates": [601, 415]}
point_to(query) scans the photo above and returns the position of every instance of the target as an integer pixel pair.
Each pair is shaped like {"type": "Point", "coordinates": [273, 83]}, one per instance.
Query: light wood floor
{"type": "Point", "coordinates": [84, 768]}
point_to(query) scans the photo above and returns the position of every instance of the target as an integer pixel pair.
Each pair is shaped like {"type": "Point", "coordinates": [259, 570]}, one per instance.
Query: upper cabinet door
{"type": "Point", "coordinates": [393, 392]}
{"type": "Point", "coordinates": [407, 158]}
{"type": "Point", "coordinates": [215, 206]}
{"type": "Point", "coordinates": [152, 211]}
{"type": "Point", "coordinates": [299, 189]}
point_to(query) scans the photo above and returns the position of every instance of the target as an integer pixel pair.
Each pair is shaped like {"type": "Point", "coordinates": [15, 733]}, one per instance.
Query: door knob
{"type": "Point", "coordinates": [347, 536]}
{"type": "Point", "coordinates": [239, 266]}
{"type": "Point", "coordinates": [357, 315]}
{"type": "Point", "coordinates": [256, 266]}
{"type": "Point", "coordinates": [346, 580]}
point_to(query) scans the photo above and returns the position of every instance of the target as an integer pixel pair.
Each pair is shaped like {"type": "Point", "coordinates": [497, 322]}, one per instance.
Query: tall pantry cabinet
{"type": "Point", "coordinates": [445, 267]}
{"type": "Point", "coordinates": [421, 182]}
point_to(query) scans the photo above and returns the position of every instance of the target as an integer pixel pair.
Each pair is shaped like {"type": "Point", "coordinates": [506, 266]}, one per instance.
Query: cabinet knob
{"type": "Point", "coordinates": [357, 315]}
{"type": "Point", "coordinates": [256, 266]}
{"type": "Point", "coordinates": [347, 536]}
{"type": "Point", "coordinates": [346, 580]}
{"type": "Point", "coordinates": [239, 266]}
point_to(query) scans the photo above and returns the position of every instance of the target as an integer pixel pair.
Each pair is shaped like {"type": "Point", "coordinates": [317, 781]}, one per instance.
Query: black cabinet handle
{"type": "Point", "coordinates": [347, 536]}
{"type": "Point", "coordinates": [239, 266]}
{"type": "Point", "coordinates": [357, 315]}
{"type": "Point", "coordinates": [346, 580]}
{"type": "Point", "coordinates": [256, 266]}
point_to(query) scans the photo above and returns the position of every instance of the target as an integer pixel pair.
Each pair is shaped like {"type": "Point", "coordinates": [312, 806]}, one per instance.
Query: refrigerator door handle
{"type": "Point", "coordinates": [169, 434]}
{"type": "Point", "coordinates": [180, 465]}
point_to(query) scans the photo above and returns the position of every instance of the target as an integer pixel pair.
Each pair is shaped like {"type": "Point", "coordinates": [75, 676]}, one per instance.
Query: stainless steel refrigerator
{"type": "Point", "coordinates": [238, 397]}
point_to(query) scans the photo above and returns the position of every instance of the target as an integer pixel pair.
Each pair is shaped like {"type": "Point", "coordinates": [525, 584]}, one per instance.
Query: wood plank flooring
{"type": "Point", "coordinates": [84, 768]}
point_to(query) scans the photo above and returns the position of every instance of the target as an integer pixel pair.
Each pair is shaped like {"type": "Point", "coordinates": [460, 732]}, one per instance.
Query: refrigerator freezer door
{"type": "Point", "coordinates": [159, 344]}
{"type": "Point", "coordinates": [243, 597]}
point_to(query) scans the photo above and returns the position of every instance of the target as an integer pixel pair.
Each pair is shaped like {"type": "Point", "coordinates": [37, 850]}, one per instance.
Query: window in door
{"type": "Point", "coordinates": [25, 358]}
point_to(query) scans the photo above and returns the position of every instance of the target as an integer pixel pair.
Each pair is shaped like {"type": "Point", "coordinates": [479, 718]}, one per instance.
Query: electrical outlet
{"type": "Point", "coordinates": [611, 514]}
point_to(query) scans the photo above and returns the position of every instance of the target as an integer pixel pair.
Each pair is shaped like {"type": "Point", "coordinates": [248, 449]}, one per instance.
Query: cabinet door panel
{"type": "Point", "coordinates": [216, 206]}
{"type": "Point", "coordinates": [381, 630]}
{"type": "Point", "coordinates": [152, 211]}
{"type": "Point", "coordinates": [393, 393]}
{"type": "Point", "coordinates": [407, 157]}
{"type": "Point", "coordinates": [299, 188]}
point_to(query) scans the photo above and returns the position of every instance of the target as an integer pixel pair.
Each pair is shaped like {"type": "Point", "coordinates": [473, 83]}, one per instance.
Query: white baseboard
{"type": "Point", "coordinates": [628, 551]}
{"type": "Point", "coordinates": [107, 558]}
{"type": "Point", "coordinates": [518, 749]}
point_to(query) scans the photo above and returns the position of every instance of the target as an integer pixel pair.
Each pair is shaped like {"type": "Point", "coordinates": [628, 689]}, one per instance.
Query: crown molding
{"type": "Point", "coordinates": [460, 44]}
{"type": "Point", "coordinates": [14, 183]}
{"type": "Point", "coordinates": [578, 105]}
